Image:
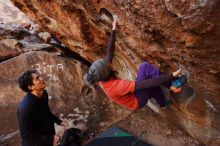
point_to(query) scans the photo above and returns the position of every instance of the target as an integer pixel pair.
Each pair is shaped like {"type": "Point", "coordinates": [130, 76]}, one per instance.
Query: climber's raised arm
{"type": "Point", "coordinates": [111, 43]}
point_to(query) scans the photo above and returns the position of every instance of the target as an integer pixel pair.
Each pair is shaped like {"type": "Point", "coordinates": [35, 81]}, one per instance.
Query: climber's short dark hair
{"type": "Point", "coordinates": [26, 80]}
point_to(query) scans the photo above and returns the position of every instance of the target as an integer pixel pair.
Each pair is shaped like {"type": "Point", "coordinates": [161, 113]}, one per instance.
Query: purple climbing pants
{"type": "Point", "coordinates": [146, 71]}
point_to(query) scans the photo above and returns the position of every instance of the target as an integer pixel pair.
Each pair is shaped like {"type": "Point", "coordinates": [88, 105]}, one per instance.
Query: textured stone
{"type": "Point", "coordinates": [12, 15]}
{"type": "Point", "coordinates": [66, 90]}
{"type": "Point", "coordinates": [9, 48]}
{"type": "Point", "coordinates": [186, 33]}
{"type": "Point", "coordinates": [16, 39]}
{"type": "Point", "coordinates": [155, 130]}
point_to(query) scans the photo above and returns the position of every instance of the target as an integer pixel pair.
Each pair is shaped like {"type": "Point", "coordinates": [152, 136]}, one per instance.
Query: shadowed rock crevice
{"type": "Point", "coordinates": [19, 5]}
{"type": "Point", "coordinates": [28, 4]}
{"type": "Point", "coordinates": [67, 52]}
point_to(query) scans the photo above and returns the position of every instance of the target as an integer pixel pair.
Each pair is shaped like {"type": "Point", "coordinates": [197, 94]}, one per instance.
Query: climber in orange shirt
{"type": "Point", "coordinates": [129, 94]}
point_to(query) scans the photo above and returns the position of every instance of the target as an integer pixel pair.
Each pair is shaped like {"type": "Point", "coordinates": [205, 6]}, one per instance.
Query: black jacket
{"type": "Point", "coordinates": [36, 122]}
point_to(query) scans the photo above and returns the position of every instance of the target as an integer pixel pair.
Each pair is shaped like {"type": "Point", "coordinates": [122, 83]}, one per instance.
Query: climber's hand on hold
{"type": "Point", "coordinates": [115, 20]}
{"type": "Point", "coordinates": [177, 73]}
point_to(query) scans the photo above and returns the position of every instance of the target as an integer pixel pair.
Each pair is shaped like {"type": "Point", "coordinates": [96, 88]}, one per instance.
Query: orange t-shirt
{"type": "Point", "coordinates": [121, 92]}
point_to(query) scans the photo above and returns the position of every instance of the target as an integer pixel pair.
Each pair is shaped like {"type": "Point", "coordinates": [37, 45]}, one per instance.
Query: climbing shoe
{"type": "Point", "coordinates": [178, 83]}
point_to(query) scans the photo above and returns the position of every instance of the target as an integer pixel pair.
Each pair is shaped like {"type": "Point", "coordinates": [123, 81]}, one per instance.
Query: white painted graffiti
{"type": "Point", "coordinates": [53, 77]}
{"type": "Point", "coordinates": [49, 69]}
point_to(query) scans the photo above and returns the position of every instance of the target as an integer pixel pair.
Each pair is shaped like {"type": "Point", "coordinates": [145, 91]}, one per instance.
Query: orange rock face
{"type": "Point", "coordinates": [169, 33]}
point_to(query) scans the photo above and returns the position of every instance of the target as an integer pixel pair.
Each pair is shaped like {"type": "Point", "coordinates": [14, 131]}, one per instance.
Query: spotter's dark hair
{"type": "Point", "coordinates": [26, 80]}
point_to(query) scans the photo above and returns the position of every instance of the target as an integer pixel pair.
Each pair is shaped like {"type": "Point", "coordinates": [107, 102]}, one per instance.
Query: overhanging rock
{"type": "Point", "coordinates": [167, 33]}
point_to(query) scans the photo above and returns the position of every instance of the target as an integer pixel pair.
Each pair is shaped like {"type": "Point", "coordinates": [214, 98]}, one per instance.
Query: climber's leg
{"type": "Point", "coordinates": [146, 71]}
{"type": "Point", "coordinates": [158, 95]}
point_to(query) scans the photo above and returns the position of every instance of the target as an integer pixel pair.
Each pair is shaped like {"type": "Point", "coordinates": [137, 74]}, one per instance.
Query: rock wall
{"type": "Point", "coordinates": [70, 99]}
{"type": "Point", "coordinates": [83, 107]}
{"type": "Point", "coordinates": [12, 15]}
{"type": "Point", "coordinates": [169, 33]}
